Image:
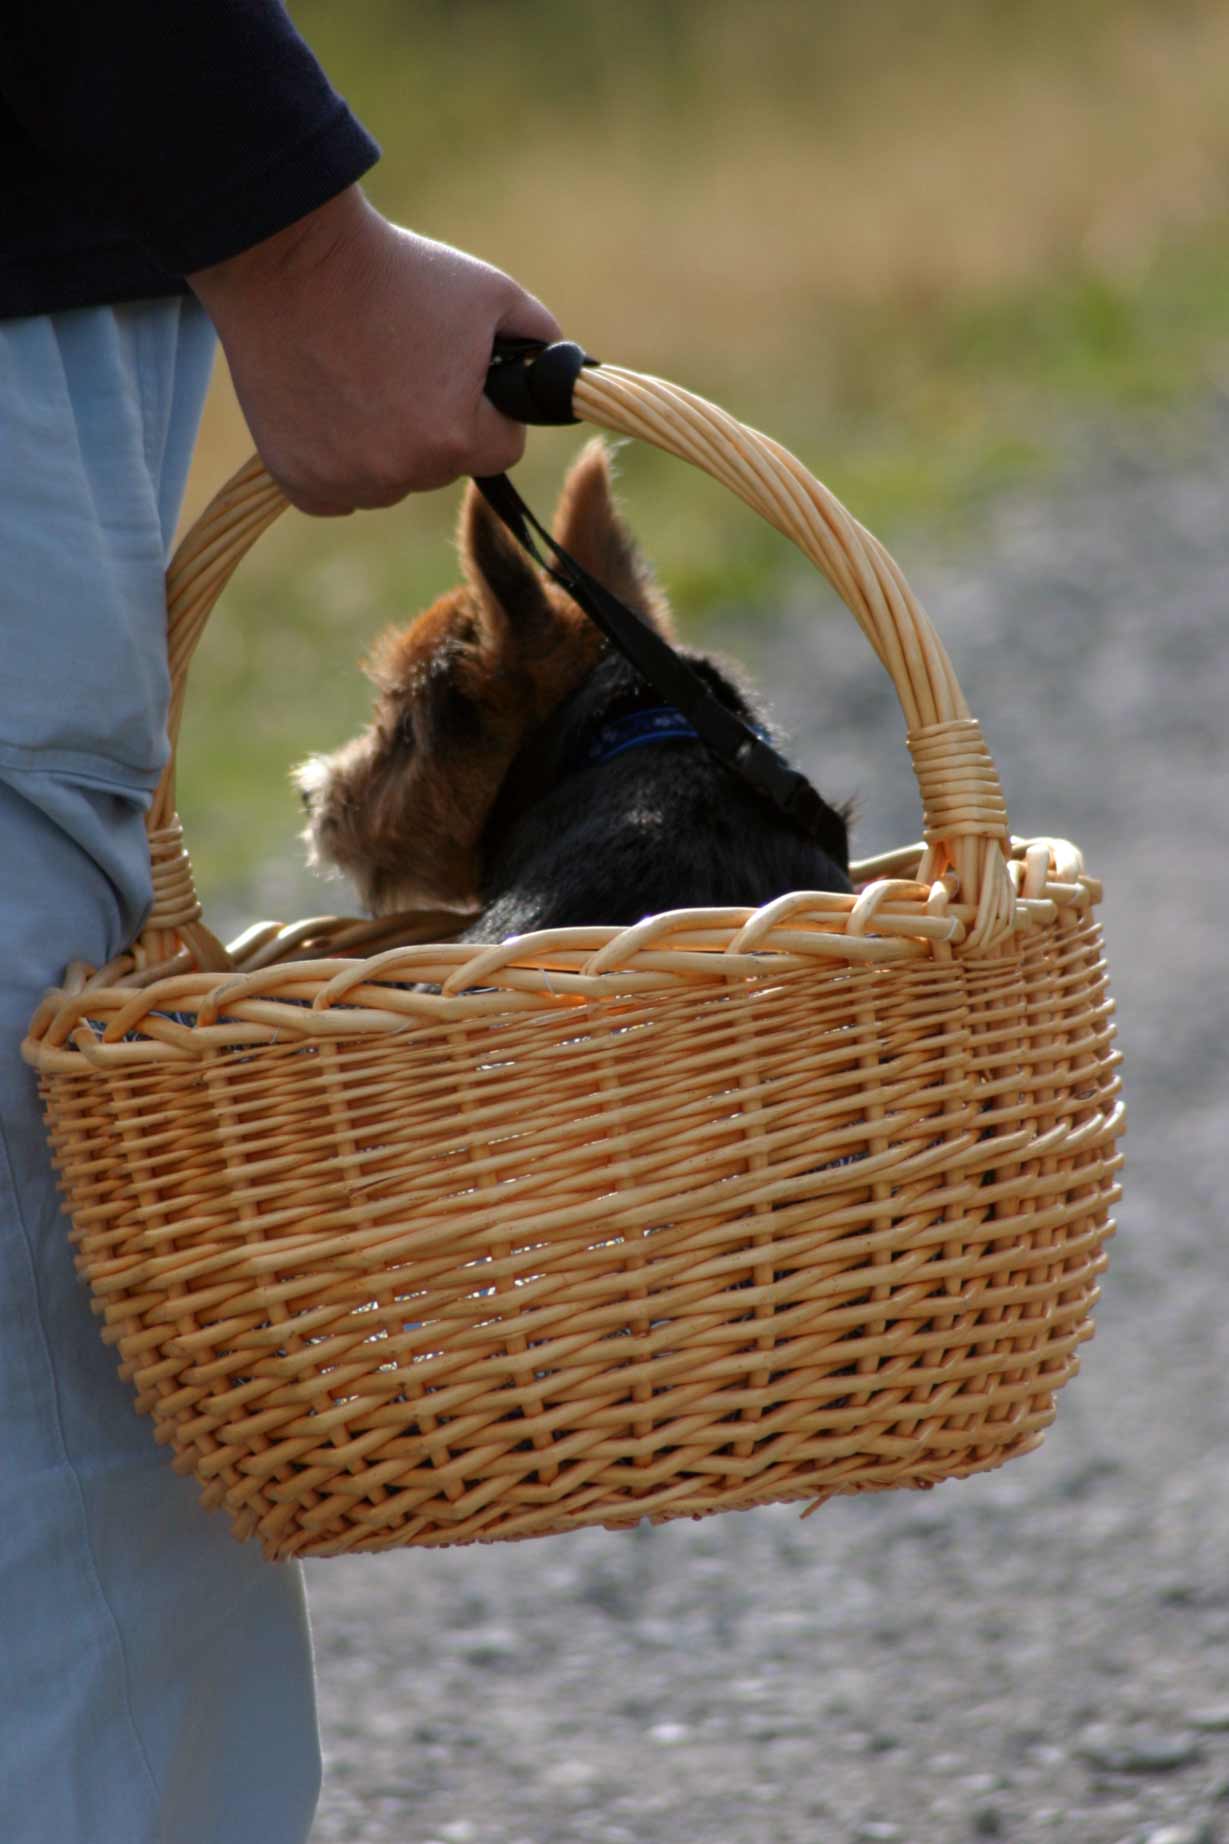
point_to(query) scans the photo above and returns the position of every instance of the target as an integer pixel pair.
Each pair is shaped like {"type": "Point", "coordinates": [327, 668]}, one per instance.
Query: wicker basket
{"type": "Point", "coordinates": [725, 1209]}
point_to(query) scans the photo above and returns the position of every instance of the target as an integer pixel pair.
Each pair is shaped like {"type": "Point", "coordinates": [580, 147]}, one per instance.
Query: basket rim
{"type": "Point", "coordinates": [300, 982]}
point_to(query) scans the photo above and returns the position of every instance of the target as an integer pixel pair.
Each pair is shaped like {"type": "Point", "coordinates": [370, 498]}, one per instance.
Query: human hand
{"type": "Point", "coordinates": [359, 352]}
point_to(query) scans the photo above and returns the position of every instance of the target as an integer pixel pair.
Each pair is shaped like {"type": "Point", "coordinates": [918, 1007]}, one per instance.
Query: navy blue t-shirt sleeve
{"type": "Point", "coordinates": [204, 125]}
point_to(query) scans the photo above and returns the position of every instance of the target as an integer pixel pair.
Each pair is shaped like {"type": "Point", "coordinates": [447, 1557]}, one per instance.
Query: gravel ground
{"type": "Point", "coordinates": [1040, 1653]}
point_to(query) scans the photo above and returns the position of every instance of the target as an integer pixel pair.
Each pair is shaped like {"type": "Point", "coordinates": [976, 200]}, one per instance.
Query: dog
{"type": "Point", "coordinates": [518, 771]}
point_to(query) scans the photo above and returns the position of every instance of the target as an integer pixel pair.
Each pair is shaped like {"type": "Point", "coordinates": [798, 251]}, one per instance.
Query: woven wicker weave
{"type": "Point", "coordinates": [725, 1209]}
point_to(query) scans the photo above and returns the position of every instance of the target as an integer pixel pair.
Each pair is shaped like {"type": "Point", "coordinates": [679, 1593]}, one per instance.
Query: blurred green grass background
{"type": "Point", "coordinates": [923, 246]}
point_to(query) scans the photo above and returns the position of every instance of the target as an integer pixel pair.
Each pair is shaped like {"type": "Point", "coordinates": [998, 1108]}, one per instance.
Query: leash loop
{"type": "Point", "coordinates": [533, 383]}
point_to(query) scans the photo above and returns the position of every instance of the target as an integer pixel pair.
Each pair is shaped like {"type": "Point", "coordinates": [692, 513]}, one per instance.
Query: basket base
{"type": "Point", "coordinates": [752, 1501]}
{"type": "Point", "coordinates": [291, 1533]}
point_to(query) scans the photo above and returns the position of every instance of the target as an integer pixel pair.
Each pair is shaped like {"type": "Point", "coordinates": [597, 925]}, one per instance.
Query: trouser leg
{"type": "Point", "coordinates": [156, 1684]}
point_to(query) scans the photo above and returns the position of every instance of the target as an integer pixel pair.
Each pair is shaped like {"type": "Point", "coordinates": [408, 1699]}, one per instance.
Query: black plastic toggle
{"type": "Point", "coordinates": [533, 383]}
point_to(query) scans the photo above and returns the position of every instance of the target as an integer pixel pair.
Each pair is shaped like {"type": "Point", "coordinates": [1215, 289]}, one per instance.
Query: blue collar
{"type": "Point", "coordinates": [660, 724]}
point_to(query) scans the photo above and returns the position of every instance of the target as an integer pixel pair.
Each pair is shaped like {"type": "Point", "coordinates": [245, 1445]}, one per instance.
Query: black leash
{"type": "Point", "coordinates": [533, 384]}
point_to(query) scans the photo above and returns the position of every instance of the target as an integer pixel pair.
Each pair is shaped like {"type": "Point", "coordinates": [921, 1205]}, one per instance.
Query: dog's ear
{"type": "Point", "coordinates": [588, 526]}
{"type": "Point", "coordinates": [509, 595]}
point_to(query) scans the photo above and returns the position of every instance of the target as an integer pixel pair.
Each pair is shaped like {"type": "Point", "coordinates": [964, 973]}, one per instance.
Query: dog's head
{"type": "Point", "coordinates": [401, 808]}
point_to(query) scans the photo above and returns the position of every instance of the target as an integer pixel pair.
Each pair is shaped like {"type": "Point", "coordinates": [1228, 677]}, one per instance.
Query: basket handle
{"type": "Point", "coordinates": [964, 813]}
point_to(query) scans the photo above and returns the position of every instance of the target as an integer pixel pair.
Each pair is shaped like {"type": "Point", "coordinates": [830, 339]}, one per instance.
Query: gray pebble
{"type": "Point", "coordinates": [1199, 1833]}
{"type": "Point", "coordinates": [1139, 1754]}
{"type": "Point", "coordinates": [1211, 1720]}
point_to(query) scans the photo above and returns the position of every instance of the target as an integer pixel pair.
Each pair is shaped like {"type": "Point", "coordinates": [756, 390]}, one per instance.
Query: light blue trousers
{"type": "Point", "coordinates": [155, 1676]}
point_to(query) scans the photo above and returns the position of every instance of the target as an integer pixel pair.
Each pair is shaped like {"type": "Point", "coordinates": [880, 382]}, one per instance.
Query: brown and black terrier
{"type": "Point", "coordinates": [519, 771]}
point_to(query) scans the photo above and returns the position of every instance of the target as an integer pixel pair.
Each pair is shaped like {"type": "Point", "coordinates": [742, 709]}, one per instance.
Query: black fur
{"type": "Point", "coordinates": [661, 827]}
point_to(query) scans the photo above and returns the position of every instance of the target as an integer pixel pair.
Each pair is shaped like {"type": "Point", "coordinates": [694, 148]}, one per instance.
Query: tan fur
{"type": "Point", "coordinates": [401, 809]}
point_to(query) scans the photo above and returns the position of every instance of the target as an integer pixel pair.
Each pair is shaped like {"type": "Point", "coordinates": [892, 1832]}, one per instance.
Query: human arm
{"type": "Point", "coordinates": [208, 134]}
